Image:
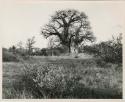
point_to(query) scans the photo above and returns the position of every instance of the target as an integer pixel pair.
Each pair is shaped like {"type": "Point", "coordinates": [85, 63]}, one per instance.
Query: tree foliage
{"type": "Point", "coordinates": [69, 25]}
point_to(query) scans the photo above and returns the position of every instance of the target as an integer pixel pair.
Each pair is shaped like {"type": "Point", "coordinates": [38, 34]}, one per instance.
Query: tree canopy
{"type": "Point", "coordinates": [69, 26]}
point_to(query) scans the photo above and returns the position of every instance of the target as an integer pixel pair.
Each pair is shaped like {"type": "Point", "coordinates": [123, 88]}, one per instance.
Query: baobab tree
{"type": "Point", "coordinates": [70, 26]}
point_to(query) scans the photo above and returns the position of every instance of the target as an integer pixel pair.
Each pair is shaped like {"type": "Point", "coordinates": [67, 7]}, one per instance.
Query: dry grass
{"type": "Point", "coordinates": [46, 77]}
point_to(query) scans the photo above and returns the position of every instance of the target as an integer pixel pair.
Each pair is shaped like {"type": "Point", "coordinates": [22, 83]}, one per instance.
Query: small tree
{"type": "Point", "coordinates": [20, 45]}
{"type": "Point", "coordinates": [29, 45]}
{"type": "Point", "coordinates": [20, 48]}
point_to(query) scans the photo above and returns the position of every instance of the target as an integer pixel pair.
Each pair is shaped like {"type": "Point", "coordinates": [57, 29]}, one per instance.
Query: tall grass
{"type": "Point", "coordinates": [66, 78]}
{"type": "Point", "coordinates": [73, 79]}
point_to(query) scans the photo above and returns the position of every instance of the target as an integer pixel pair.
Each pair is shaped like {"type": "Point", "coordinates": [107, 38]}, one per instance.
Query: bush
{"type": "Point", "coordinates": [53, 81]}
{"type": "Point", "coordinates": [72, 79]}
{"type": "Point", "coordinates": [91, 49]}
{"type": "Point", "coordinates": [9, 56]}
{"type": "Point", "coordinates": [109, 51]}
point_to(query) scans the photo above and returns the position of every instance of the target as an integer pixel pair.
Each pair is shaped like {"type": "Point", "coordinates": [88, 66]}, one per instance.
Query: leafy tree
{"type": "Point", "coordinates": [69, 26]}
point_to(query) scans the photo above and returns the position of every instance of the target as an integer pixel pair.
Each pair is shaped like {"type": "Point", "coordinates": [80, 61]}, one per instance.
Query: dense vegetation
{"type": "Point", "coordinates": [109, 51]}
{"type": "Point", "coordinates": [8, 56]}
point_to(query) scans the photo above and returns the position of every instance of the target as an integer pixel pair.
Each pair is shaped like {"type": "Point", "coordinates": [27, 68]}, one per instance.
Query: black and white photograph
{"type": "Point", "coordinates": [62, 49]}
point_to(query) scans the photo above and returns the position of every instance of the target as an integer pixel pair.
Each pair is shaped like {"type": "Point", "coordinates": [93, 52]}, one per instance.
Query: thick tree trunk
{"type": "Point", "coordinates": [76, 51]}
{"type": "Point", "coordinates": [69, 49]}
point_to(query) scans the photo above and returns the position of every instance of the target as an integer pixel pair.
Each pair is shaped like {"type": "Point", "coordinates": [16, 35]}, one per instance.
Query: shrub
{"type": "Point", "coordinates": [109, 51]}
{"type": "Point", "coordinates": [9, 56]}
{"type": "Point", "coordinates": [53, 81]}
{"type": "Point", "coordinates": [74, 79]}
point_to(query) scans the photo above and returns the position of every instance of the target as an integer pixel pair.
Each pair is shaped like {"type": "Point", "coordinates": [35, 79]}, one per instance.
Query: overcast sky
{"type": "Point", "coordinates": [22, 20]}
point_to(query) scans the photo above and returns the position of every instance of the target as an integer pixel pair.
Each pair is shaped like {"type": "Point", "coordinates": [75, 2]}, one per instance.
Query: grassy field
{"type": "Point", "coordinates": [62, 77]}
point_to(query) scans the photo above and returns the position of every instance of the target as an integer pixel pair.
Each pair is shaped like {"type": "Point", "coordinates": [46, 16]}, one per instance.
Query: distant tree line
{"type": "Point", "coordinates": [109, 51]}
{"type": "Point", "coordinates": [9, 54]}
